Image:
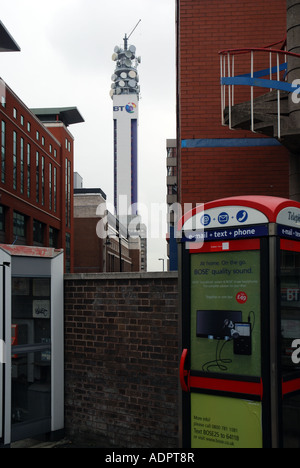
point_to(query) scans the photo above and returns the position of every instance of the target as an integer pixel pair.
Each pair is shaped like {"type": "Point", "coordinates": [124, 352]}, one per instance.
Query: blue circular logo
{"type": "Point", "coordinates": [242, 216]}
{"type": "Point", "coordinates": [206, 220]}
{"type": "Point", "coordinates": [223, 218]}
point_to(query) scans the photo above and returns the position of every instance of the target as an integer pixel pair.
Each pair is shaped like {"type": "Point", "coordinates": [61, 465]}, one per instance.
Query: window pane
{"type": "Point", "coordinates": [31, 310]}
{"type": "Point", "coordinates": [31, 387]}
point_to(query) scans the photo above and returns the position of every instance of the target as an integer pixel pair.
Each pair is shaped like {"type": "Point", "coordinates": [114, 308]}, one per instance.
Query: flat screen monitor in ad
{"type": "Point", "coordinates": [217, 324]}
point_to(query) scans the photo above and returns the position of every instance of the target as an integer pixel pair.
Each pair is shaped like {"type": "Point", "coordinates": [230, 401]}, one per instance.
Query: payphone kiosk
{"type": "Point", "coordinates": [240, 328]}
{"type": "Point", "coordinates": [31, 343]}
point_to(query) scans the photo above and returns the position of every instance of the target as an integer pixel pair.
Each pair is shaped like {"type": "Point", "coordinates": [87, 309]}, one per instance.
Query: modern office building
{"type": "Point", "coordinates": [214, 161]}
{"type": "Point", "coordinates": [125, 93]}
{"type": "Point", "coordinates": [36, 175]}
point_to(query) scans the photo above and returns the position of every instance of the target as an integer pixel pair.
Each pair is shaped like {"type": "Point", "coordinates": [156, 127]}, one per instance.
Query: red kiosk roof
{"type": "Point", "coordinates": [270, 206]}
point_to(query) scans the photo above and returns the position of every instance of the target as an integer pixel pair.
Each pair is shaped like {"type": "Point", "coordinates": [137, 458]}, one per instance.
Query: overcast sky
{"type": "Point", "coordinates": [66, 60]}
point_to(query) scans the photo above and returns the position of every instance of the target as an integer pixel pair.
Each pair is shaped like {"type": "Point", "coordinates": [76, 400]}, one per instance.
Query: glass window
{"type": "Point", "coordinates": [3, 152]}
{"type": "Point", "coordinates": [15, 160]}
{"type": "Point", "coordinates": [68, 253]}
{"type": "Point", "coordinates": [28, 170]}
{"type": "Point", "coordinates": [53, 237]}
{"type": "Point", "coordinates": [29, 127]}
{"type": "Point", "coordinates": [31, 366]}
{"type": "Point", "coordinates": [15, 113]}
{"type": "Point", "coordinates": [55, 189]}
{"type": "Point", "coordinates": [38, 232]}
{"type": "Point", "coordinates": [37, 177]}
{"type": "Point", "coordinates": [290, 331]}
{"type": "Point", "coordinates": [50, 186]}
{"type": "Point", "coordinates": [43, 180]}
{"type": "Point", "coordinates": [2, 219]}
{"type": "Point", "coordinates": [19, 225]}
{"type": "Point", "coordinates": [22, 165]}
{"type": "Point", "coordinates": [31, 310]}
{"type": "Point", "coordinates": [290, 307]}
{"type": "Point", "coordinates": [31, 387]}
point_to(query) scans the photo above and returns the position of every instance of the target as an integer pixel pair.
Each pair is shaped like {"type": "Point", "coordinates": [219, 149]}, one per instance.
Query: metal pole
{"type": "Point", "coordinates": [252, 91]}
{"type": "Point", "coordinates": [274, 374]}
{"type": "Point", "coordinates": [162, 260]}
{"type": "Point", "coordinates": [229, 92]}
{"type": "Point", "coordinates": [278, 98]}
{"type": "Point", "coordinates": [4, 265]}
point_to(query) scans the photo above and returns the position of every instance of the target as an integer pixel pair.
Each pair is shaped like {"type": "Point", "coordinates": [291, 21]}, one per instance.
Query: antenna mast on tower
{"type": "Point", "coordinates": [127, 38]}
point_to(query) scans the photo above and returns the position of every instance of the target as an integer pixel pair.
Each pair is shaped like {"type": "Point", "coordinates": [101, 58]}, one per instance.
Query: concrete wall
{"type": "Point", "coordinates": [121, 358]}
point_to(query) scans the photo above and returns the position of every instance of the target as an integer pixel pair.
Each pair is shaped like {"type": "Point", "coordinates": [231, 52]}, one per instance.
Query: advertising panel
{"type": "Point", "coordinates": [220, 422]}
{"type": "Point", "coordinates": [225, 313]}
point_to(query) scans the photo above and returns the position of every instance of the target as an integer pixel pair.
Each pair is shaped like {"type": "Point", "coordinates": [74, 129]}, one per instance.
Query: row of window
{"type": "Point", "coordinates": [39, 233]}
{"type": "Point", "coordinates": [19, 229]}
{"type": "Point", "coordinates": [39, 138]}
{"type": "Point", "coordinates": [22, 173]}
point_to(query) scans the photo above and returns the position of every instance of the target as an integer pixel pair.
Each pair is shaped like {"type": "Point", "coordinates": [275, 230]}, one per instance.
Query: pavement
{"type": "Point", "coordinates": [63, 443]}
{"type": "Point", "coordinates": [33, 443]}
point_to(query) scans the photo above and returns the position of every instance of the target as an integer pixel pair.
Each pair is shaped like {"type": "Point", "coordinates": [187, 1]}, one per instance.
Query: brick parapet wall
{"type": "Point", "coordinates": [121, 358]}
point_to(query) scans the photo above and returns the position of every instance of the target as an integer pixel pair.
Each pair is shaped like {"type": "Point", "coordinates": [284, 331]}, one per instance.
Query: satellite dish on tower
{"type": "Point", "coordinates": [132, 74]}
{"type": "Point", "coordinates": [115, 57]}
{"type": "Point", "coordinates": [132, 83]}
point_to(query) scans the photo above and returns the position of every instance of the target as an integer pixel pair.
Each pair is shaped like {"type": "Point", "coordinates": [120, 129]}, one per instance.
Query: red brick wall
{"type": "Point", "coordinates": [121, 359]}
{"type": "Point", "coordinates": [205, 27]}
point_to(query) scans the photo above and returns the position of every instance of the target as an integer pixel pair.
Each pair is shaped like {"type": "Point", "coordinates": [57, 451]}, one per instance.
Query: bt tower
{"type": "Point", "coordinates": [125, 93]}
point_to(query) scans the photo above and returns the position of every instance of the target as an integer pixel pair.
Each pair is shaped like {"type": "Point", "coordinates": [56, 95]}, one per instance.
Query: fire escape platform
{"type": "Point", "coordinates": [265, 115]}
{"type": "Point", "coordinates": [273, 113]}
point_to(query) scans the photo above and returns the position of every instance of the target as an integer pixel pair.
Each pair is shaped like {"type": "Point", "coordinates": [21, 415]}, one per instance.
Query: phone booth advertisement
{"type": "Point", "coordinates": [240, 326]}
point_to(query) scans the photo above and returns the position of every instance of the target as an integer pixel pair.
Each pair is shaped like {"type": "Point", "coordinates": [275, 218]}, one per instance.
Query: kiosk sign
{"type": "Point", "coordinates": [232, 222]}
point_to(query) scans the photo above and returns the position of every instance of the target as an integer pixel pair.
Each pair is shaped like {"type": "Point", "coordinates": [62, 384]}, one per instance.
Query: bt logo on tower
{"type": "Point", "coordinates": [130, 108]}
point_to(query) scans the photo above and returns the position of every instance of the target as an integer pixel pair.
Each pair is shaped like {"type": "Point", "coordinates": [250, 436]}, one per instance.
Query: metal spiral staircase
{"type": "Point", "coordinates": [269, 112]}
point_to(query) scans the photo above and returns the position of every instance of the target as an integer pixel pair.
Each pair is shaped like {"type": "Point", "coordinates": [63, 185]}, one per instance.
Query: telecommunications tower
{"type": "Point", "coordinates": [125, 93]}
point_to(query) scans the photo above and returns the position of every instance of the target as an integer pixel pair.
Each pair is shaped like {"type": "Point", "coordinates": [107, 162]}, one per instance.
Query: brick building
{"type": "Point", "coordinates": [215, 162]}
{"type": "Point", "coordinates": [102, 246]}
{"type": "Point", "coordinates": [36, 175]}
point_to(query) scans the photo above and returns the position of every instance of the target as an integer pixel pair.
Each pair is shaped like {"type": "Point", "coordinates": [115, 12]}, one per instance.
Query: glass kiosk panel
{"type": "Point", "coordinates": [31, 355]}
{"type": "Point", "coordinates": [225, 345]}
{"type": "Point", "coordinates": [289, 333]}
{"type": "Point", "coordinates": [225, 312]}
